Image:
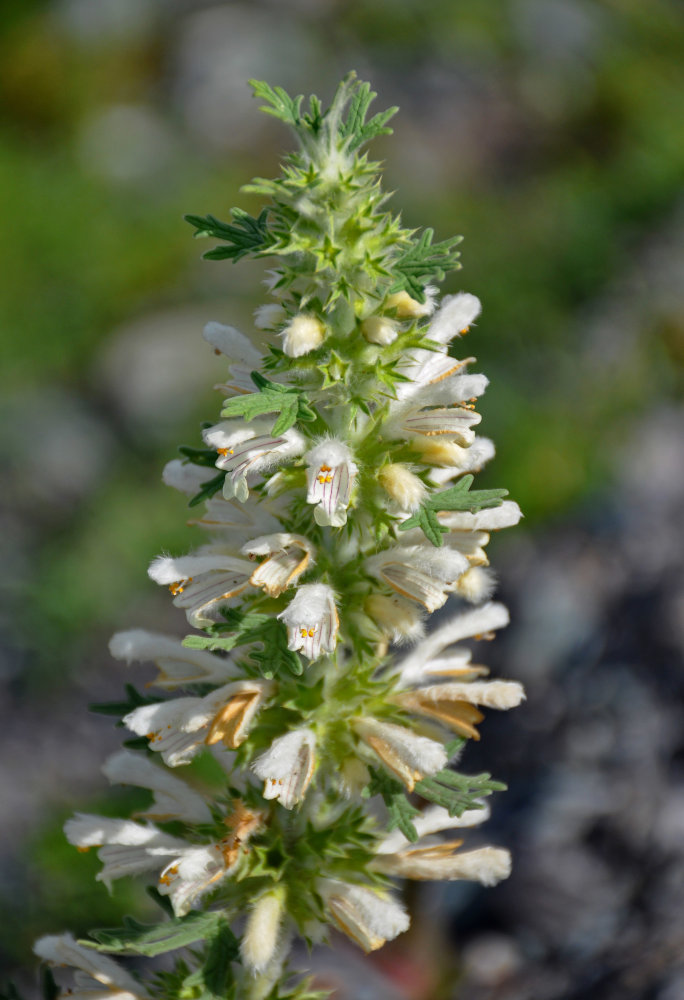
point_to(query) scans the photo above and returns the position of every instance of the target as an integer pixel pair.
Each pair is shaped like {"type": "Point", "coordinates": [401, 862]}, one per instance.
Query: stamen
{"type": "Point", "coordinates": [180, 585]}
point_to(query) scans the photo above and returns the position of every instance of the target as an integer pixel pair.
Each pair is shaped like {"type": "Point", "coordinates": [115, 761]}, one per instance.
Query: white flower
{"type": "Point", "coordinates": [505, 515]}
{"type": "Point", "coordinates": [454, 390]}
{"type": "Point", "coordinates": [368, 916]}
{"type": "Point", "coordinates": [302, 334]}
{"type": "Point", "coordinates": [230, 517]}
{"type": "Point", "coordinates": [198, 868]}
{"type": "Point", "coordinates": [476, 585]}
{"type": "Point", "coordinates": [179, 728]}
{"type": "Point", "coordinates": [202, 583]}
{"type": "Point", "coordinates": [452, 422]}
{"type": "Point", "coordinates": [260, 939]}
{"type": "Point", "coordinates": [433, 859]}
{"type": "Point", "coordinates": [403, 486]}
{"type": "Point", "coordinates": [453, 457]}
{"type": "Point", "coordinates": [192, 874]}
{"type": "Point", "coordinates": [229, 341]}
{"type": "Point", "coordinates": [184, 476]}
{"type": "Point", "coordinates": [443, 862]}
{"type": "Point", "coordinates": [434, 819]}
{"type": "Point", "coordinates": [330, 477]}
{"type": "Point", "coordinates": [287, 558]}
{"type": "Point", "coordinates": [422, 573]}
{"type": "Point", "coordinates": [98, 977]}
{"type": "Point", "coordinates": [269, 316]}
{"type": "Point", "coordinates": [250, 450]}
{"type": "Point", "coordinates": [453, 703]}
{"type": "Point", "coordinates": [399, 620]}
{"type": "Point", "coordinates": [312, 620]}
{"type": "Point", "coordinates": [287, 767]}
{"type": "Point", "coordinates": [409, 756]}
{"type": "Point", "coordinates": [425, 368]}
{"type": "Point", "coordinates": [125, 847]}
{"type": "Point", "coordinates": [379, 330]}
{"type": "Point", "coordinates": [173, 798]}
{"type": "Point", "coordinates": [454, 317]}
{"type": "Point", "coordinates": [407, 308]}
{"type": "Point", "coordinates": [243, 356]}
{"type": "Point", "coordinates": [178, 665]}
{"type": "Point", "coordinates": [424, 662]}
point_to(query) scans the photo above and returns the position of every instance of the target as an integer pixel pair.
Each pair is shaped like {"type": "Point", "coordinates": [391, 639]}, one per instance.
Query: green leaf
{"type": "Point", "coordinates": [424, 262]}
{"type": "Point", "coordinates": [199, 456]}
{"type": "Point", "coordinates": [222, 949]}
{"type": "Point", "coordinates": [208, 489]}
{"type": "Point", "coordinates": [278, 102]}
{"type": "Point", "coordinates": [355, 128]}
{"type": "Point", "coordinates": [401, 811]}
{"type": "Point", "coordinates": [120, 708]}
{"type": "Point", "coordinates": [457, 792]}
{"type": "Point", "coordinates": [272, 397]}
{"type": "Point", "coordinates": [458, 497]}
{"type": "Point", "coordinates": [143, 939]}
{"type": "Point", "coordinates": [274, 658]}
{"type": "Point", "coordinates": [244, 236]}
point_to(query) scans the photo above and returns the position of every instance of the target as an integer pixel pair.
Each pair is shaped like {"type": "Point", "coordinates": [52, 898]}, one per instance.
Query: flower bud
{"type": "Point", "coordinates": [476, 585]}
{"type": "Point", "coordinates": [407, 308]}
{"type": "Point", "coordinates": [260, 939]}
{"type": "Point", "coordinates": [379, 330]}
{"type": "Point", "coordinates": [402, 485]}
{"type": "Point", "coordinates": [301, 335]}
{"type": "Point", "coordinates": [398, 620]}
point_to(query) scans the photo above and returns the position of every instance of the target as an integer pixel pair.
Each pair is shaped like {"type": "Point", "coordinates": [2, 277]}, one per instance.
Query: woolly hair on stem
{"type": "Point", "coordinates": [334, 496]}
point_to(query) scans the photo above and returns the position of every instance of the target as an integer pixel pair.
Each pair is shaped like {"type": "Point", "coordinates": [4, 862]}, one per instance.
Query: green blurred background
{"type": "Point", "coordinates": [549, 134]}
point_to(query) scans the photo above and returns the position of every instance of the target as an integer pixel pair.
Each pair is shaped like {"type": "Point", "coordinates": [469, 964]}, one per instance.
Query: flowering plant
{"type": "Point", "coordinates": [337, 502]}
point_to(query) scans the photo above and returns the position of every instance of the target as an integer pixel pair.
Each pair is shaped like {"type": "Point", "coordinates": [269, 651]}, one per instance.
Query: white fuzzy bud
{"type": "Point", "coordinates": [404, 487]}
{"type": "Point", "coordinates": [301, 335]}
{"type": "Point", "coordinates": [379, 330]}
{"type": "Point", "coordinates": [476, 585]}
{"type": "Point", "coordinates": [260, 940]}
{"type": "Point", "coordinates": [407, 308]}
{"type": "Point", "coordinates": [399, 620]}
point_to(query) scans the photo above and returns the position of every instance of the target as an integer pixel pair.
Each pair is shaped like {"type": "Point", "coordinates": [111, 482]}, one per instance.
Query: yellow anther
{"type": "Point", "coordinates": [464, 330]}
{"type": "Point", "coordinates": [303, 633]}
{"type": "Point", "coordinates": [311, 633]}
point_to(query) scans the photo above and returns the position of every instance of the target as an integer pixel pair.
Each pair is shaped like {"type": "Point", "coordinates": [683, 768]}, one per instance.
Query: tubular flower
{"type": "Point", "coordinates": [368, 916]}
{"type": "Point", "coordinates": [409, 756]}
{"type": "Point", "coordinates": [173, 798]}
{"type": "Point", "coordinates": [335, 494]}
{"type": "Point", "coordinates": [247, 451]}
{"type": "Point", "coordinates": [97, 976]}
{"type": "Point", "coordinates": [287, 767]}
{"type": "Point", "coordinates": [312, 620]}
{"type": "Point", "coordinates": [202, 584]}
{"type": "Point", "coordinates": [287, 557]}
{"type": "Point", "coordinates": [178, 729]}
{"type": "Point", "coordinates": [330, 477]}
{"type": "Point", "coordinates": [425, 575]}
{"type": "Point", "coordinates": [178, 665]}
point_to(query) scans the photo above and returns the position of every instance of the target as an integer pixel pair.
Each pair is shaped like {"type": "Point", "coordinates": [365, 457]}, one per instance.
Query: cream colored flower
{"type": "Point", "coordinates": [330, 476]}
{"type": "Point", "coordinates": [287, 557]}
{"type": "Point", "coordinates": [312, 620]}
{"type": "Point", "coordinates": [409, 756]}
{"type": "Point", "coordinates": [287, 767]}
{"type": "Point", "coordinates": [368, 916]}
{"type": "Point", "coordinates": [178, 729]}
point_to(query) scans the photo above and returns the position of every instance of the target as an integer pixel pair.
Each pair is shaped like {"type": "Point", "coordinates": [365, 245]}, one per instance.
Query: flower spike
{"type": "Point", "coordinates": [304, 749]}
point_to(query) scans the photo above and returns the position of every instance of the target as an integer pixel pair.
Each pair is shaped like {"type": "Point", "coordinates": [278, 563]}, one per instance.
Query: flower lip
{"type": "Point", "coordinates": [312, 620]}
